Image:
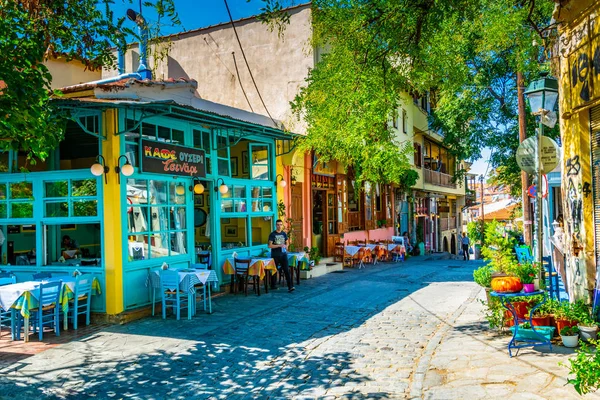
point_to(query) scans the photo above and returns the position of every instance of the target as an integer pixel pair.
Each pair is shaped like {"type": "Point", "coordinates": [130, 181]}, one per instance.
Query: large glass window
{"type": "Point", "coordinates": [156, 219]}
{"type": "Point", "coordinates": [21, 248]}
{"type": "Point", "coordinates": [262, 199]}
{"type": "Point", "coordinates": [72, 244]}
{"type": "Point", "coordinates": [234, 233]}
{"type": "Point", "coordinates": [261, 228]}
{"type": "Point", "coordinates": [202, 141]}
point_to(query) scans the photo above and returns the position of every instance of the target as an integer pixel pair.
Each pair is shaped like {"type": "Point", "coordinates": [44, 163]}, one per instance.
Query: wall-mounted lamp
{"type": "Point", "coordinates": [99, 168]}
{"type": "Point", "coordinates": [282, 182]}
{"type": "Point", "coordinates": [179, 189]}
{"type": "Point", "coordinates": [126, 169]}
{"type": "Point", "coordinates": [197, 186]}
{"type": "Point", "coordinates": [222, 188]}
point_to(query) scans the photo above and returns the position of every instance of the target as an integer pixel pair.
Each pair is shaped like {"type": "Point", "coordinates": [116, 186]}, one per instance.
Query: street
{"type": "Point", "coordinates": [394, 331]}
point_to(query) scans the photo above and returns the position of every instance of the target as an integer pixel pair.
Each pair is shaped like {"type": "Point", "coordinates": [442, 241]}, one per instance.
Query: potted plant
{"type": "Point", "coordinates": [565, 316]}
{"type": "Point", "coordinates": [526, 332]}
{"type": "Point", "coordinates": [539, 314]}
{"type": "Point", "coordinates": [527, 274]}
{"type": "Point", "coordinates": [570, 336]}
{"type": "Point", "coordinates": [588, 327]}
{"type": "Point", "coordinates": [483, 277]}
{"type": "Point", "coordinates": [313, 254]}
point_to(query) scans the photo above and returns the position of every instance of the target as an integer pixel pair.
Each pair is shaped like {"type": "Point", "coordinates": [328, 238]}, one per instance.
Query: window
{"type": "Point", "coordinates": [261, 228]}
{"type": "Point", "coordinates": [262, 199]}
{"type": "Point", "coordinates": [223, 153]}
{"type": "Point", "coordinates": [70, 198]}
{"type": "Point", "coordinates": [418, 155]}
{"type": "Point", "coordinates": [395, 119]}
{"type": "Point", "coordinates": [260, 162]}
{"type": "Point", "coordinates": [16, 200]}
{"type": "Point", "coordinates": [202, 141]}
{"type": "Point", "coordinates": [234, 200]}
{"type": "Point", "coordinates": [85, 242]}
{"type": "Point", "coordinates": [404, 122]}
{"type": "Point", "coordinates": [233, 233]}
{"type": "Point", "coordinates": [156, 219]}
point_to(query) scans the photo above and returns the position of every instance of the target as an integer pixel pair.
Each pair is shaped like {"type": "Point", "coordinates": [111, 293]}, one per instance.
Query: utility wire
{"type": "Point", "coordinates": [240, 81]}
{"type": "Point", "coordinates": [246, 61]}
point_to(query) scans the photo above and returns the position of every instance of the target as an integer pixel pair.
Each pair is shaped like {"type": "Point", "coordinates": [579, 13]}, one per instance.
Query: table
{"type": "Point", "coordinates": [188, 279]}
{"type": "Point", "coordinates": [294, 259]}
{"type": "Point", "coordinates": [506, 300]}
{"type": "Point", "coordinates": [23, 297]}
{"type": "Point", "coordinates": [352, 251]}
{"type": "Point", "coordinates": [258, 267]}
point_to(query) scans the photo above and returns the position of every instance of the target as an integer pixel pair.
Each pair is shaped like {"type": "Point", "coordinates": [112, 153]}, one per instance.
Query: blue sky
{"type": "Point", "coordinates": [199, 13]}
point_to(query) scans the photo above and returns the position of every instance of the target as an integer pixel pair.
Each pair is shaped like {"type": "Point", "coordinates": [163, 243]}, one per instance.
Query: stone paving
{"type": "Point", "coordinates": [393, 331]}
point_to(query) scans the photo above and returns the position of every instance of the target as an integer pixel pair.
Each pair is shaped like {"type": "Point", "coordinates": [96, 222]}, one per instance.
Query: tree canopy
{"type": "Point", "coordinates": [32, 32]}
{"type": "Point", "coordinates": [465, 53]}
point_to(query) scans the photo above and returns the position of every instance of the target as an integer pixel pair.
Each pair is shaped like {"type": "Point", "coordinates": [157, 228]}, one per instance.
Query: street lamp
{"type": "Point", "coordinates": [542, 95]}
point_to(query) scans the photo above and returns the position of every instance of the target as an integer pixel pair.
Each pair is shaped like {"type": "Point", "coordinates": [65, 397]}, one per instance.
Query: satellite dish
{"type": "Point", "coordinates": [549, 119]}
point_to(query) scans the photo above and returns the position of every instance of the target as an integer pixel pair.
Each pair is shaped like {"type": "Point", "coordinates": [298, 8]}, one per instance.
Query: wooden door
{"type": "Point", "coordinates": [296, 216]}
{"type": "Point", "coordinates": [331, 222]}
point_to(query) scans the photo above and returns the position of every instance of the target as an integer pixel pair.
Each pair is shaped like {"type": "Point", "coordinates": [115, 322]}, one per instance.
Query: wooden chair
{"type": "Point", "coordinates": [338, 255]}
{"type": "Point", "coordinates": [171, 294]}
{"type": "Point", "coordinates": [41, 275]}
{"type": "Point", "coordinates": [81, 303]}
{"type": "Point", "coordinates": [203, 261]}
{"type": "Point", "coordinates": [5, 316]}
{"type": "Point", "coordinates": [48, 311]}
{"type": "Point", "coordinates": [359, 258]}
{"type": "Point", "coordinates": [242, 267]}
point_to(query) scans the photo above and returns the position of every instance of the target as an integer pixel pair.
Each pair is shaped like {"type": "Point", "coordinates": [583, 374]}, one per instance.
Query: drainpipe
{"type": "Point", "coordinates": [143, 30]}
{"type": "Point", "coordinates": [121, 58]}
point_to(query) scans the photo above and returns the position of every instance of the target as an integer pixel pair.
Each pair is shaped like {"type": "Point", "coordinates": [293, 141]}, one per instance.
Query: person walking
{"type": "Point", "coordinates": [465, 246]}
{"type": "Point", "coordinates": [278, 242]}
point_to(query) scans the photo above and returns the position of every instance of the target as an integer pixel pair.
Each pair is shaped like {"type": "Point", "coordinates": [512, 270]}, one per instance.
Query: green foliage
{"type": "Point", "coordinates": [483, 276]}
{"type": "Point", "coordinates": [586, 368]}
{"type": "Point", "coordinates": [527, 272]}
{"type": "Point", "coordinates": [34, 31]}
{"type": "Point", "coordinates": [498, 249]}
{"type": "Point", "coordinates": [475, 231]}
{"type": "Point", "coordinates": [313, 254]}
{"type": "Point", "coordinates": [288, 224]}
{"type": "Point", "coordinates": [494, 313]}
{"type": "Point", "coordinates": [569, 331]}
{"type": "Point", "coordinates": [582, 312]}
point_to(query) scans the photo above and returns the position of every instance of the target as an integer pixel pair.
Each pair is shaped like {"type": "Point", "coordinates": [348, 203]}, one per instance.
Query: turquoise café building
{"type": "Point", "coordinates": [147, 173]}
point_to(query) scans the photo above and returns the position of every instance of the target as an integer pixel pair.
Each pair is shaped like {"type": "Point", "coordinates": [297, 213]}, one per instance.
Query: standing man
{"type": "Point", "coordinates": [465, 246]}
{"type": "Point", "coordinates": [278, 241]}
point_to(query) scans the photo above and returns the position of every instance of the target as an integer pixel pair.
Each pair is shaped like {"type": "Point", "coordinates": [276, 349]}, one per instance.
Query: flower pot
{"type": "Point", "coordinates": [528, 287]}
{"type": "Point", "coordinates": [529, 334]}
{"type": "Point", "coordinates": [570, 341]}
{"type": "Point", "coordinates": [521, 308]}
{"type": "Point", "coordinates": [508, 319]}
{"type": "Point", "coordinates": [562, 323]}
{"type": "Point", "coordinates": [540, 321]}
{"type": "Point", "coordinates": [588, 332]}
{"type": "Point", "coordinates": [536, 283]}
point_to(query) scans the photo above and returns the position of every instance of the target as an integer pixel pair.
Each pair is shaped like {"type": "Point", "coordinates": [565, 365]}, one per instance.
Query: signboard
{"type": "Point", "coordinates": [532, 190]}
{"type": "Point", "coordinates": [527, 155]}
{"type": "Point", "coordinates": [164, 158]}
{"type": "Point", "coordinates": [443, 209]}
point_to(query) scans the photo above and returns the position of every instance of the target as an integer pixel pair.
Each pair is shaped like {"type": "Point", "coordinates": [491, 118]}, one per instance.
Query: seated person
{"type": "Point", "coordinates": [70, 247]}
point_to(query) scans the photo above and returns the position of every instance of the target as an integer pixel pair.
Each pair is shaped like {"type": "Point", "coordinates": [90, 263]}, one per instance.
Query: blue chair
{"type": "Point", "coordinates": [172, 296]}
{"type": "Point", "coordinates": [41, 276]}
{"type": "Point", "coordinates": [523, 254]}
{"type": "Point", "coordinates": [203, 264]}
{"type": "Point", "coordinates": [203, 261]}
{"type": "Point", "coordinates": [48, 310]}
{"type": "Point", "coordinates": [5, 315]}
{"type": "Point", "coordinates": [81, 303]}
{"type": "Point", "coordinates": [551, 278]}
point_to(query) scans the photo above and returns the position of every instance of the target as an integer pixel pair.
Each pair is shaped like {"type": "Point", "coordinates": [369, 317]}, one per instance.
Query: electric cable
{"type": "Point", "coordinates": [240, 81]}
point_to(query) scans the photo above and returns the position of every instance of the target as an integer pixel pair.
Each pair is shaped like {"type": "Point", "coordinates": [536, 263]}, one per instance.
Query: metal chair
{"type": "Point", "coordinates": [41, 275]}
{"type": "Point", "coordinates": [171, 294]}
{"type": "Point", "coordinates": [81, 303]}
{"type": "Point", "coordinates": [5, 315]}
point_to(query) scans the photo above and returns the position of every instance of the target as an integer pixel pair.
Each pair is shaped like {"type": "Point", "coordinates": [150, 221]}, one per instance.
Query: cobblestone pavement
{"type": "Point", "coordinates": [393, 331]}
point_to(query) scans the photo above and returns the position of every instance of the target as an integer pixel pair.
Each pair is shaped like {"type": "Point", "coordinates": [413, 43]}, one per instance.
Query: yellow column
{"type": "Point", "coordinates": [113, 243]}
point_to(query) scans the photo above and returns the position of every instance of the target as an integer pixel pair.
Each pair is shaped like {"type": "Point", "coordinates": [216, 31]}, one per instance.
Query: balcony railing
{"type": "Point", "coordinates": [438, 178]}
{"type": "Point", "coordinates": [447, 223]}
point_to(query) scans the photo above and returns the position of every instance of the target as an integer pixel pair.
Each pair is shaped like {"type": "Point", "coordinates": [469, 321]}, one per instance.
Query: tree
{"type": "Point", "coordinates": [33, 31]}
{"type": "Point", "coordinates": [464, 52]}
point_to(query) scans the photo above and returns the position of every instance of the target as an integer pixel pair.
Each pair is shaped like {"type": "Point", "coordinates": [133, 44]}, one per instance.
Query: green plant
{"type": "Point", "coordinates": [566, 311]}
{"type": "Point", "coordinates": [582, 313]}
{"type": "Point", "coordinates": [381, 223]}
{"type": "Point", "coordinates": [494, 313]}
{"type": "Point", "coordinates": [483, 276]}
{"type": "Point", "coordinates": [569, 331]}
{"type": "Point", "coordinates": [586, 368]}
{"type": "Point", "coordinates": [526, 272]}
{"type": "Point", "coordinates": [288, 222]}
{"type": "Point", "coordinates": [501, 260]}
{"type": "Point", "coordinates": [475, 231]}
{"type": "Point", "coordinates": [525, 325]}
{"type": "Point", "coordinates": [313, 254]}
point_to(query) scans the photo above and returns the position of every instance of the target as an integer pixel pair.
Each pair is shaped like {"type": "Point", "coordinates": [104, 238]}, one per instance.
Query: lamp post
{"type": "Point", "coordinates": [542, 95]}
{"type": "Point", "coordinates": [481, 179]}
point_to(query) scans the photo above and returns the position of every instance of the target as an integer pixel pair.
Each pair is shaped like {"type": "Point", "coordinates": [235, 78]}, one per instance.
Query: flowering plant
{"type": "Point", "coordinates": [527, 272]}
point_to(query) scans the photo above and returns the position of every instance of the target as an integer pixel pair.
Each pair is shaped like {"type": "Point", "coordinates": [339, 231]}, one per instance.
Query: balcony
{"type": "Point", "coordinates": [438, 178]}
{"type": "Point", "coordinates": [447, 223]}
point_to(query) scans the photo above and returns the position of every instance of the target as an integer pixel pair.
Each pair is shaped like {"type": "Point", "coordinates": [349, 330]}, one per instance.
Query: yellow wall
{"type": "Point", "coordinates": [575, 134]}
{"type": "Point", "coordinates": [69, 73]}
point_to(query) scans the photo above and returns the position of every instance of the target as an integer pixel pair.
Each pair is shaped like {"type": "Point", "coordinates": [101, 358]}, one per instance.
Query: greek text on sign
{"type": "Point", "coordinates": [527, 155]}
{"type": "Point", "coordinates": [171, 159]}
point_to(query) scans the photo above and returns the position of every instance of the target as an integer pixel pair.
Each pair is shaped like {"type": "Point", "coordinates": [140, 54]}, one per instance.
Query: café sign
{"type": "Point", "coordinates": [164, 158]}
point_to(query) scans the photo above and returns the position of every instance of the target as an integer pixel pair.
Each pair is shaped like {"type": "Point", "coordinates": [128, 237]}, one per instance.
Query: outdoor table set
{"type": "Point", "coordinates": [188, 280]}
{"type": "Point", "coordinates": [23, 297]}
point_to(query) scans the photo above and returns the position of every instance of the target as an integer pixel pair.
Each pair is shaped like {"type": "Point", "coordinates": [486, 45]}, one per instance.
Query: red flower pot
{"type": "Point", "coordinates": [540, 321]}
{"type": "Point", "coordinates": [562, 323]}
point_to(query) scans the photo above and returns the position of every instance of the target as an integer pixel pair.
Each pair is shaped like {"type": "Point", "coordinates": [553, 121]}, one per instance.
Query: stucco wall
{"type": "Point", "coordinates": [279, 65]}
{"type": "Point", "coordinates": [69, 73]}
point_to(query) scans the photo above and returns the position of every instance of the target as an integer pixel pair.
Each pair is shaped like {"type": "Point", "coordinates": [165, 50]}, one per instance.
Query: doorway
{"type": "Point", "coordinates": [202, 221]}
{"type": "Point", "coordinates": [318, 219]}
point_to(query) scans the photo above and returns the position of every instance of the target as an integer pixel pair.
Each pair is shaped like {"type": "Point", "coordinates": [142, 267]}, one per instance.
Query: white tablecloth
{"type": "Point", "coordinates": [9, 294]}
{"type": "Point", "coordinates": [187, 278]}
